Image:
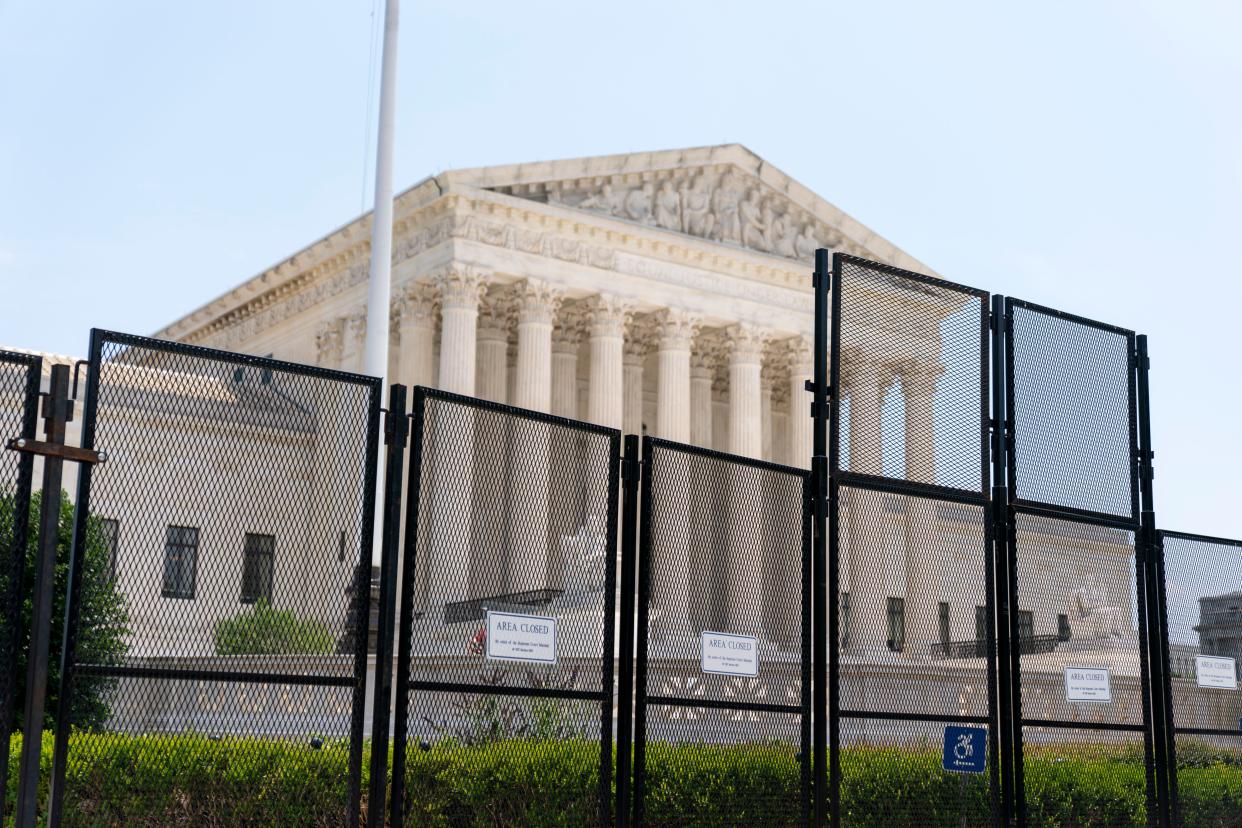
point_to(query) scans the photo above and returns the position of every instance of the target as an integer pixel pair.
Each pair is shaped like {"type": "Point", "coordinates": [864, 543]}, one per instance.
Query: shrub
{"type": "Point", "coordinates": [262, 630]}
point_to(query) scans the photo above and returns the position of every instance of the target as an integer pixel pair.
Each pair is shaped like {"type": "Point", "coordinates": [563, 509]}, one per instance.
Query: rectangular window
{"type": "Point", "coordinates": [257, 559]}
{"type": "Point", "coordinates": [180, 561]}
{"type": "Point", "coordinates": [1026, 625]}
{"type": "Point", "coordinates": [981, 632]}
{"type": "Point", "coordinates": [109, 533]}
{"type": "Point", "coordinates": [1063, 628]}
{"type": "Point", "coordinates": [944, 627]}
{"type": "Point", "coordinates": [896, 624]}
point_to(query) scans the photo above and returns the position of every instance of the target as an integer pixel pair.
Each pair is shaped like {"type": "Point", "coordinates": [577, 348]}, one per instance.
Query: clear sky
{"type": "Point", "coordinates": [1081, 155]}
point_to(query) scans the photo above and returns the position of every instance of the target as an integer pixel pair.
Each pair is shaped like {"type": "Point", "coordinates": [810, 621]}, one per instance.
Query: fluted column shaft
{"type": "Point", "coordinates": [607, 342]}
{"type": "Point", "coordinates": [632, 383]}
{"type": "Point", "coordinates": [800, 429]}
{"type": "Point", "coordinates": [701, 405]}
{"type": "Point", "coordinates": [673, 393]}
{"type": "Point", "coordinates": [866, 393]}
{"type": "Point", "coordinates": [565, 375]}
{"type": "Point", "coordinates": [416, 335]}
{"type": "Point", "coordinates": [459, 315]}
{"type": "Point", "coordinates": [745, 530]}
{"type": "Point", "coordinates": [745, 404]}
{"type": "Point", "coordinates": [493, 356]}
{"type": "Point", "coordinates": [918, 386]}
{"type": "Point", "coordinates": [765, 416]}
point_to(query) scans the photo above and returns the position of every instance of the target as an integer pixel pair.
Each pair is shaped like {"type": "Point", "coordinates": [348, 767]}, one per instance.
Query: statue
{"type": "Point", "coordinates": [668, 207]}
{"type": "Point", "coordinates": [696, 209]}
{"type": "Point", "coordinates": [605, 201]}
{"type": "Point", "coordinates": [756, 218]}
{"type": "Point", "coordinates": [725, 205]}
{"type": "Point", "coordinates": [1091, 618]}
{"type": "Point", "coordinates": [806, 244]}
{"type": "Point", "coordinates": [638, 203]}
{"type": "Point", "coordinates": [783, 234]}
{"type": "Point", "coordinates": [586, 552]}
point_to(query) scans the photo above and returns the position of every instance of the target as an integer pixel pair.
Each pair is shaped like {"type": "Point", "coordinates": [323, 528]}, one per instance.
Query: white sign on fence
{"type": "Point", "coordinates": [1088, 684]}
{"type": "Point", "coordinates": [1216, 671]}
{"type": "Point", "coordinates": [731, 655]}
{"type": "Point", "coordinates": [513, 637]}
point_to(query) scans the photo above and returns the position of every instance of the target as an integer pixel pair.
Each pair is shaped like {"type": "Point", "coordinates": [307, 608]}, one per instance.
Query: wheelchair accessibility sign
{"type": "Point", "coordinates": [965, 749]}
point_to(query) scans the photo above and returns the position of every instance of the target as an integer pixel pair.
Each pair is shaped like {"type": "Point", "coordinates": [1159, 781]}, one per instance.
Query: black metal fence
{"type": "Point", "coordinates": [508, 612]}
{"type": "Point", "coordinates": [724, 636]}
{"type": "Point", "coordinates": [19, 399]}
{"type": "Point", "coordinates": [220, 586]}
{"type": "Point", "coordinates": [910, 551]}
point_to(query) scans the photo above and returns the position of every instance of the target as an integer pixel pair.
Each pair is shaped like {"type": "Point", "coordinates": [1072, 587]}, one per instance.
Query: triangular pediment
{"type": "Point", "coordinates": [724, 194]}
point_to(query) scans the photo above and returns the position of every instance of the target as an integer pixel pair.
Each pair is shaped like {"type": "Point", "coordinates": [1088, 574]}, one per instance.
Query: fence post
{"type": "Point", "coordinates": [631, 467]}
{"type": "Point", "coordinates": [823, 622]}
{"type": "Point", "coordinates": [396, 426]}
{"type": "Point", "coordinates": [1163, 746]}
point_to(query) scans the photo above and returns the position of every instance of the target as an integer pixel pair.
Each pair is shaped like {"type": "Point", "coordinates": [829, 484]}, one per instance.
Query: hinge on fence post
{"type": "Point", "coordinates": [630, 469]}
{"type": "Point", "coordinates": [395, 429]}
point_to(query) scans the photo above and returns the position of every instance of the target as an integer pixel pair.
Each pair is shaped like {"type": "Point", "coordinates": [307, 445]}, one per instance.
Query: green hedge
{"type": "Point", "coordinates": [115, 780]}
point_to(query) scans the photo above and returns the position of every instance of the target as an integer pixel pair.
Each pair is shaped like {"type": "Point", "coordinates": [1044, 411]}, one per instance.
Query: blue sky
{"type": "Point", "coordinates": [1081, 155]}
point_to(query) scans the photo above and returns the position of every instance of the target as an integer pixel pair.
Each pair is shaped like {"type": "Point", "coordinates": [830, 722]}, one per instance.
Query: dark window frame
{"type": "Point", "coordinates": [253, 595]}
{"type": "Point", "coordinates": [1026, 625]}
{"type": "Point", "coordinates": [177, 590]}
{"type": "Point", "coordinates": [896, 624]}
{"type": "Point", "coordinates": [946, 631]}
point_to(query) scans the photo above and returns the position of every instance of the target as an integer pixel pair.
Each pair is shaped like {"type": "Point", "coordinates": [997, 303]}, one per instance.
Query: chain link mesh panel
{"type": "Point", "coordinates": [1071, 403]}
{"type": "Point", "coordinates": [913, 370]}
{"type": "Point", "coordinates": [19, 397]}
{"type": "Point", "coordinates": [514, 518]}
{"type": "Point", "coordinates": [723, 670]}
{"type": "Point", "coordinates": [224, 576]}
{"type": "Point", "coordinates": [1203, 589]}
{"type": "Point", "coordinates": [916, 643]}
{"type": "Point", "coordinates": [1111, 763]}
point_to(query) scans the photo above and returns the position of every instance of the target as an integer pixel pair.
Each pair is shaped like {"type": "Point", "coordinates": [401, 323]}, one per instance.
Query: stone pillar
{"type": "Point", "coordinates": [566, 337]}
{"type": "Point", "coordinates": [492, 382]}
{"type": "Point", "coordinates": [416, 334]}
{"type": "Point", "coordinates": [765, 414]}
{"type": "Point", "coordinates": [460, 291]}
{"type": "Point", "coordinates": [638, 337]}
{"type": "Point", "coordinates": [866, 395]}
{"type": "Point", "coordinates": [918, 386]}
{"type": "Point", "coordinates": [746, 534]}
{"type": "Point", "coordinates": [745, 404]}
{"type": "Point", "coordinates": [677, 330]}
{"type": "Point", "coordinates": [608, 317]}
{"type": "Point", "coordinates": [800, 425]}
{"type": "Point", "coordinates": [702, 372]}
{"type": "Point", "coordinates": [537, 303]}
{"type": "Point", "coordinates": [444, 577]}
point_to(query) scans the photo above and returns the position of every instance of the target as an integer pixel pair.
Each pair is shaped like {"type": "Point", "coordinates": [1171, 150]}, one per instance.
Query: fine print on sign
{"type": "Point", "coordinates": [730, 655]}
{"type": "Point", "coordinates": [1088, 684]}
{"type": "Point", "coordinates": [1216, 671]}
{"type": "Point", "coordinates": [513, 637]}
{"type": "Point", "coordinates": [965, 749]}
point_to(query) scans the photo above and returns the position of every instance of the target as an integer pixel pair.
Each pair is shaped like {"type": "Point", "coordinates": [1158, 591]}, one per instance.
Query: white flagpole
{"type": "Point", "coordinates": [379, 287]}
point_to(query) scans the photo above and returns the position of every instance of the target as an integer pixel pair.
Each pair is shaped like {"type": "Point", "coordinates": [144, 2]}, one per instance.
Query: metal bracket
{"type": "Point", "coordinates": [631, 469]}
{"type": "Point", "coordinates": [46, 449]}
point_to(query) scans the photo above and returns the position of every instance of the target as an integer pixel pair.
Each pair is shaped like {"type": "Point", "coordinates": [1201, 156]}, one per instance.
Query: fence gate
{"type": "Point", "coordinates": [505, 689]}
{"type": "Point", "coordinates": [220, 588]}
{"type": "Point", "coordinates": [913, 692]}
{"type": "Point", "coordinates": [1201, 580]}
{"type": "Point", "coordinates": [20, 376]}
{"type": "Point", "coordinates": [1077, 586]}
{"type": "Point", "coordinates": [723, 678]}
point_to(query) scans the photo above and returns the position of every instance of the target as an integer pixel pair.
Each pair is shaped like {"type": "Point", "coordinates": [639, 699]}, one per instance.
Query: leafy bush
{"type": "Point", "coordinates": [262, 630]}
{"type": "Point", "coordinates": [122, 780]}
{"type": "Point", "coordinates": [102, 615]}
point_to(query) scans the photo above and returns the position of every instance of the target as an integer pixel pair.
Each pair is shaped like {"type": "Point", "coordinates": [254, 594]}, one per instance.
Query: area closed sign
{"type": "Point", "coordinates": [1216, 671]}
{"type": "Point", "coordinates": [730, 655]}
{"type": "Point", "coordinates": [513, 637]}
{"type": "Point", "coordinates": [1088, 684]}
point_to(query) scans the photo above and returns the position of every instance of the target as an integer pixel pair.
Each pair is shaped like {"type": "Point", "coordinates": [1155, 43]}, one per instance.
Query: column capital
{"type": "Point", "coordinates": [569, 324]}
{"type": "Point", "coordinates": [608, 315]}
{"type": "Point", "coordinates": [416, 304]}
{"type": "Point", "coordinates": [639, 334]}
{"type": "Point", "coordinates": [356, 328]}
{"type": "Point", "coordinates": [460, 288]}
{"type": "Point", "coordinates": [918, 377]}
{"type": "Point", "coordinates": [496, 313]}
{"type": "Point", "coordinates": [859, 372]}
{"type": "Point", "coordinates": [537, 301]}
{"type": "Point", "coordinates": [677, 329]}
{"type": "Point", "coordinates": [799, 351]}
{"type": "Point", "coordinates": [330, 341]}
{"type": "Point", "coordinates": [746, 343]}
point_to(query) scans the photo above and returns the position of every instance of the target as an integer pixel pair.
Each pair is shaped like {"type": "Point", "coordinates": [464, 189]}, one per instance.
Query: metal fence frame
{"type": "Point", "coordinates": [15, 558]}
{"type": "Point", "coordinates": [362, 591]}
{"type": "Point", "coordinates": [980, 496]}
{"type": "Point", "coordinates": [604, 696]}
{"type": "Point", "coordinates": [642, 699]}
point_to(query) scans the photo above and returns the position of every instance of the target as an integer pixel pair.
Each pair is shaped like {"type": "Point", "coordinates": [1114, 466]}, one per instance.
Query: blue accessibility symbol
{"type": "Point", "coordinates": [965, 749]}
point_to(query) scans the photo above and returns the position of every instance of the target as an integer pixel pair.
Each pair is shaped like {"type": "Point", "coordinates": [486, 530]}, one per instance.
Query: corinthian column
{"type": "Point", "coordinates": [800, 430]}
{"type": "Point", "coordinates": [566, 336]}
{"type": "Point", "coordinates": [444, 574]}
{"type": "Point", "coordinates": [608, 317]}
{"type": "Point", "coordinates": [355, 337]}
{"type": "Point", "coordinates": [745, 364]}
{"type": "Point", "coordinates": [866, 394]}
{"type": "Point", "coordinates": [492, 382]}
{"type": "Point", "coordinates": [702, 373]}
{"type": "Point", "coordinates": [460, 291]}
{"type": "Point", "coordinates": [765, 413]}
{"type": "Point", "coordinates": [677, 330]}
{"type": "Point", "coordinates": [416, 334]}
{"type": "Point", "coordinates": [528, 551]}
{"type": "Point", "coordinates": [918, 385]}
{"type": "Point", "coordinates": [329, 343]}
